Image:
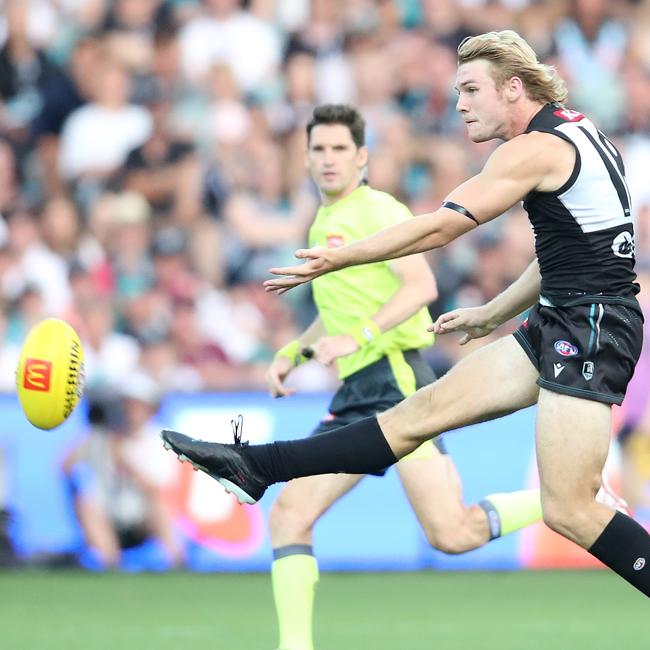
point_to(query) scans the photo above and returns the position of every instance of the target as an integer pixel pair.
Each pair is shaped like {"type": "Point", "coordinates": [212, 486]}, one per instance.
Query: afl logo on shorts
{"type": "Point", "coordinates": [639, 564]}
{"type": "Point", "coordinates": [565, 348]}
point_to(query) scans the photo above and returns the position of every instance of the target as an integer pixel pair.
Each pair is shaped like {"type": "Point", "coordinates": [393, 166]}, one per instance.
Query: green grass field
{"type": "Point", "coordinates": [391, 611]}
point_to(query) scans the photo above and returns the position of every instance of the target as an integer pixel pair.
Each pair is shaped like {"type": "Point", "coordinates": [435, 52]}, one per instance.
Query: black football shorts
{"type": "Point", "coordinates": [375, 389]}
{"type": "Point", "coordinates": [585, 350]}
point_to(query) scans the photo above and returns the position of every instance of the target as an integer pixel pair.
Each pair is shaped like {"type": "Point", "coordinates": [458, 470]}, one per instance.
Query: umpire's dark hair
{"type": "Point", "coordinates": [340, 114]}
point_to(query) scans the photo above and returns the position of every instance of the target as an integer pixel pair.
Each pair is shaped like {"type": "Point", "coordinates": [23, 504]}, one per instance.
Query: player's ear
{"type": "Point", "coordinates": [362, 156]}
{"type": "Point", "coordinates": [514, 88]}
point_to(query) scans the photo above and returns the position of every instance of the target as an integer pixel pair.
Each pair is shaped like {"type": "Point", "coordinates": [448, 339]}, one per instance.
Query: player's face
{"type": "Point", "coordinates": [334, 160]}
{"type": "Point", "coordinates": [481, 104]}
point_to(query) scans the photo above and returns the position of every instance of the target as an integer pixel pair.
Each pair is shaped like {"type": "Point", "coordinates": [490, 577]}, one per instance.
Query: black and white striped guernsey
{"type": "Point", "coordinates": [584, 235]}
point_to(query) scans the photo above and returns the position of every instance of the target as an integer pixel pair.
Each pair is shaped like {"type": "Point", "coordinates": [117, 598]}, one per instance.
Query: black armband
{"type": "Point", "coordinates": [459, 208]}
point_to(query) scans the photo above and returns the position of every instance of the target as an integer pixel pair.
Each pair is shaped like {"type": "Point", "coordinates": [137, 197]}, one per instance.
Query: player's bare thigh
{"type": "Point", "coordinates": [488, 383]}
{"type": "Point", "coordinates": [572, 441]}
{"type": "Point", "coordinates": [301, 504]}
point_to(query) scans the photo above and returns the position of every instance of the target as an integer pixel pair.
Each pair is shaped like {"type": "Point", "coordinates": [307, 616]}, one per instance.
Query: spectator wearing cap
{"type": "Point", "coordinates": [133, 272]}
{"type": "Point", "coordinates": [117, 475]}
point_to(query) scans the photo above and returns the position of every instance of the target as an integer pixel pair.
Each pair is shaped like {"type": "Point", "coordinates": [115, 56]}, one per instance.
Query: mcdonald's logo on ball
{"type": "Point", "coordinates": [37, 374]}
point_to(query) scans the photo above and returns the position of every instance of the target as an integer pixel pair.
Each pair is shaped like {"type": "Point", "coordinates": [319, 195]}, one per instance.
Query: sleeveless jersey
{"type": "Point", "coordinates": [584, 235]}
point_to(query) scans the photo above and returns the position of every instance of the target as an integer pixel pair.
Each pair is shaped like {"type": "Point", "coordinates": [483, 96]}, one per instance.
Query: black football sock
{"type": "Point", "coordinates": [624, 546]}
{"type": "Point", "coordinates": [358, 448]}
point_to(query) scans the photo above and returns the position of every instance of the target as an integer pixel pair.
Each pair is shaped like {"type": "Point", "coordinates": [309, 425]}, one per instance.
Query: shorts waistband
{"type": "Point", "coordinates": [587, 299]}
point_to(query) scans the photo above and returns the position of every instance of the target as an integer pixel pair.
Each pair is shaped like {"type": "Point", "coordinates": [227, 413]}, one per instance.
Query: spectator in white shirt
{"type": "Point", "coordinates": [97, 137]}
{"type": "Point", "coordinates": [225, 34]}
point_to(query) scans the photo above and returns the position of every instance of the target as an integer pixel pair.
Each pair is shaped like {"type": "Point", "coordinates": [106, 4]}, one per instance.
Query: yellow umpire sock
{"type": "Point", "coordinates": [510, 511]}
{"type": "Point", "coordinates": [294, 574]}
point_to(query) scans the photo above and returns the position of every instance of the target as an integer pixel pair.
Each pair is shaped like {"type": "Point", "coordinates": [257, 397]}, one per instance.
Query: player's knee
{"type": "Point", "coordinates": [448, 539]}
{"type": "Point", "coordinates": [288, 518]}
{"type": "Point", "coordinates": [564, 516]}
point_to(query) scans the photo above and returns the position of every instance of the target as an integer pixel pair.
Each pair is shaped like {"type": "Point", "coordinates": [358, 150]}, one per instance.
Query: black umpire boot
{"type": "Point", "coordinates": [226, 464]}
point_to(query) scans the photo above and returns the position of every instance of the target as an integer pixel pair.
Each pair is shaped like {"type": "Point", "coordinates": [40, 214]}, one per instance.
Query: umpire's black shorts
{"type": "Point", "coordinates": [377, 388]}
{"type": "Point", "coordinates": [585, 350]}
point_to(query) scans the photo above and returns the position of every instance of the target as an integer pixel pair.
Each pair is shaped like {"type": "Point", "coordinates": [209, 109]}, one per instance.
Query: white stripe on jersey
{"type": "Point", "coordinates": [593, 200]}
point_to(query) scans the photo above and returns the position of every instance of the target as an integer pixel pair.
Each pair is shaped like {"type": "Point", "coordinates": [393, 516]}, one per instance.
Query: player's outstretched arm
{"type": "Point", "coordinates": [406, 238]}
{"type": "Point", "coordinates": [515, 168]}
{"type": "Point", "coordinates": [476, 322]}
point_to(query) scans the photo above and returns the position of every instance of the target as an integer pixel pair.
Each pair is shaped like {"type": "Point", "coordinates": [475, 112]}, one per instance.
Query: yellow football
{"type": "Point", "coordinates": [50, 373]}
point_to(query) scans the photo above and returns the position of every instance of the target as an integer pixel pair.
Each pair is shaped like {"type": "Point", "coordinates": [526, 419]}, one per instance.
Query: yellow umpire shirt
{"type": "Point", "coordinates": [354, 294]}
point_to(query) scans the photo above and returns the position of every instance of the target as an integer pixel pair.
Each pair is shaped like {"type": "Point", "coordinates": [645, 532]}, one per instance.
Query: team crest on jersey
{"type": "Point", "coordinates": [565, 348]}
{"type": "Point", "coordinates": [588, 370]}
{"type": "Point", "coordinates": [623, 245]}
{"type": "Point", "coordinates": [335, 240]}
{"type": "Point", "coordinates": [568, 115]}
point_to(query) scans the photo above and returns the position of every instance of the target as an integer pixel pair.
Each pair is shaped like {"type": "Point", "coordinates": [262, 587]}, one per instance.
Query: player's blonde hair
{"type": "Point", "coordinates": [511, 56]}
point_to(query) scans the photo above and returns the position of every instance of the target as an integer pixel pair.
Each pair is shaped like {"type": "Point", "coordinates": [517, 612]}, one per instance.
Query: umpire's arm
{"type": "Point", "coordinates": [416, 290]}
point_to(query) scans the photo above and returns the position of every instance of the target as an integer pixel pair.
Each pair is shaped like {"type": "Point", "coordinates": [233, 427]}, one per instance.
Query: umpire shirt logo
{"type": "Point", "coordinates": [588, 370]}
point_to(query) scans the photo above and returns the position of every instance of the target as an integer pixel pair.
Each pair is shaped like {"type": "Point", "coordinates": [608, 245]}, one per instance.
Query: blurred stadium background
{"type": "Point", "coordinates": [151, 171]}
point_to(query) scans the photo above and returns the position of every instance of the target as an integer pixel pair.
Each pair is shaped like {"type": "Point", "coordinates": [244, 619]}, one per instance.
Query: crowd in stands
{"type": "Point", "coordinates": [152, 170]}
{"type": "Point", "coordinates": [151, 160]}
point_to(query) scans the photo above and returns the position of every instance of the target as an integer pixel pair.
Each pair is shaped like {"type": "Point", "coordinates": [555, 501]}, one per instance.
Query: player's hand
{"type": "Point", "coordinates": [475, 322]}
{"type": "Point", "coordinates": [275, 376]}
{"type": "Point", "coordinates": [318, 261]}
{"type": "Point", "coordinates": [328, 349]}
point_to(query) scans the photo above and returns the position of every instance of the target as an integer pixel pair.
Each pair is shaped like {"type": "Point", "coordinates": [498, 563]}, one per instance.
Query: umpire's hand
{"type": "Point", "coordinates": [275, 376]}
